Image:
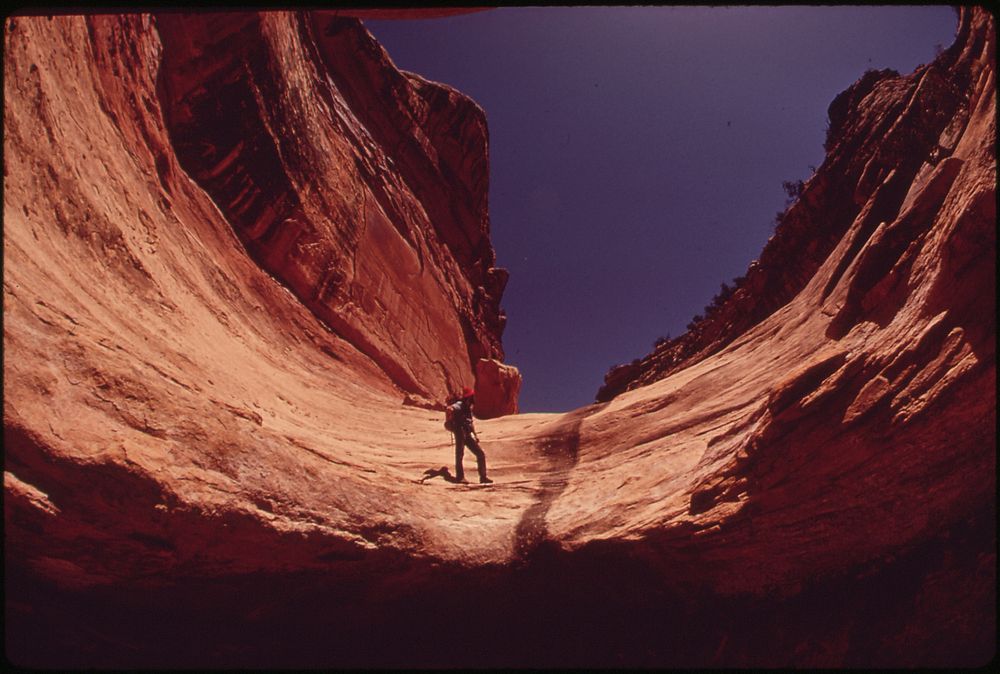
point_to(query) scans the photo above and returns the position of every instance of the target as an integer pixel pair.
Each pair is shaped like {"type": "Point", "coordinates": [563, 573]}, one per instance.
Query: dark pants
{"type": "Point", "coordinates": [465, 439]}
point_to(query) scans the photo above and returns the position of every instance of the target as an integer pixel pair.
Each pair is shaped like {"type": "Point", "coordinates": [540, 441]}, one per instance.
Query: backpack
{"type": "Point", "coordinates": [449, 417]}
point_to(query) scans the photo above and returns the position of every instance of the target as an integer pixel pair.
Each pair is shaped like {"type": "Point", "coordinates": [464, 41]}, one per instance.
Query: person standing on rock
{"type": "Point", "coordinates": [465, 436]}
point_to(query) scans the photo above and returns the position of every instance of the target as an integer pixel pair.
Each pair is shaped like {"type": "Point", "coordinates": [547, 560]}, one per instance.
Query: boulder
{"type": "Point", "coordinates": [497, 388]}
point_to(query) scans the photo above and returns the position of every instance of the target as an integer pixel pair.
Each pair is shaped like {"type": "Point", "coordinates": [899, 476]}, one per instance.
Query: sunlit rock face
{"type": "Point", "coordinates": [234, 245]}
{"type": "Point", "coordinates": [362, 189]}
{"type": "Point", "coordinates": [886, 133]}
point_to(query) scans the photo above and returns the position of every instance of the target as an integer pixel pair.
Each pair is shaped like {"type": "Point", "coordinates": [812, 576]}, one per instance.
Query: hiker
{"type": "Point", "coordinates": [465, 436]}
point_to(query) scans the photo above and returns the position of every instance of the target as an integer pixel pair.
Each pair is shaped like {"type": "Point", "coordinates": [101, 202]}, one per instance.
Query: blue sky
{"type": "Point", "coordinates": [637, 154]}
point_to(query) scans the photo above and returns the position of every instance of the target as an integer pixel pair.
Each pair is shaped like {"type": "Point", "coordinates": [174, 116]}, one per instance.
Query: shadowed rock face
{"type": "Point", "coordinates": [234, 243]}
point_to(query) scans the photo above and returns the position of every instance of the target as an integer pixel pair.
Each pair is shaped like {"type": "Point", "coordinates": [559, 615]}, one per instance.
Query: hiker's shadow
{"type": "Point", "coordinates": [443, 471]}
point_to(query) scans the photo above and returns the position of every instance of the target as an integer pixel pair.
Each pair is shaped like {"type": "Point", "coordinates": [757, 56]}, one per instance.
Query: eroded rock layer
{"type": "Point", "coordinates": [200, 472]}
{"type": "Point", "coordinates": [884, 123]}
{"type": "Point", "coordinates": [343, 177]}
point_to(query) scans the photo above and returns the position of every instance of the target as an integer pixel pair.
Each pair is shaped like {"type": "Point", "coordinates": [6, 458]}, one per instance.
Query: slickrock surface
{"type": "Point", "coordinates": [234, 244]}
{"type": "Point", "coordinates": [883, 123]}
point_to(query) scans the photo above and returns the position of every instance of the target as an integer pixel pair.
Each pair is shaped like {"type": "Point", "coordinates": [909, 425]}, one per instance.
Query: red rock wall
{"type": "Point", "coordinates": [884, 125]}
{"type": "Point", "coordinates": [876, 429]}
{"type": "Point", "coordinates": [360, 188]}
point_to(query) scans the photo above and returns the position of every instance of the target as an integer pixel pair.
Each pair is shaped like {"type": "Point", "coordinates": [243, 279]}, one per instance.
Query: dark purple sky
{"type": "Point", "coordinates": [637, 155]}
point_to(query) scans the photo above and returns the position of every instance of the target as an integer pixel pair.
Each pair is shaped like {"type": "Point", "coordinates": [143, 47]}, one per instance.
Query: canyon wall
{"type": "Point", "coordinates": [885, 122]}
{"type": "Point", "coordinates": [361, 188]}
{"type": "Point", "coordinates": [234, 244]}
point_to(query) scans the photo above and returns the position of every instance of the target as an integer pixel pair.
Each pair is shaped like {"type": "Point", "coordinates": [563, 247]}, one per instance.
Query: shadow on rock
{"type": "Point", "coordinates": [443, 471]}
{"type": "Point", "coordinates": [561, 446]}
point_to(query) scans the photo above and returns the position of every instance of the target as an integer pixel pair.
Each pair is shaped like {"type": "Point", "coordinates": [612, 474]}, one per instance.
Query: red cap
{"type": "Point", "coordinates": [467, 392]}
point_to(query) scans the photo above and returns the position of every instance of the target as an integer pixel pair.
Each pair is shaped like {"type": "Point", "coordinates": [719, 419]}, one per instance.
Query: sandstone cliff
{"type": "Point", "coordinates": [361, 188]}
{"type": "Point", "coordinates": [883, 123]}
{"type": "Point", "coordinates": [225, 239]}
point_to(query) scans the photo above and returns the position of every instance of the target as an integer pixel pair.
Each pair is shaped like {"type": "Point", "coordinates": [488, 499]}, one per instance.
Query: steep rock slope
{"type": "Point", "coordinates": [199, 473]}
{"type": "Point", "coordinates": [883, 123]}
{"type": "Point", "coordinates": [344, 177]}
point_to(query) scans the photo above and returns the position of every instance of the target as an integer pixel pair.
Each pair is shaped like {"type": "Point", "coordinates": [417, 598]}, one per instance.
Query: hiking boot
{"type": "Point", "coordinates": [485, 480]}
